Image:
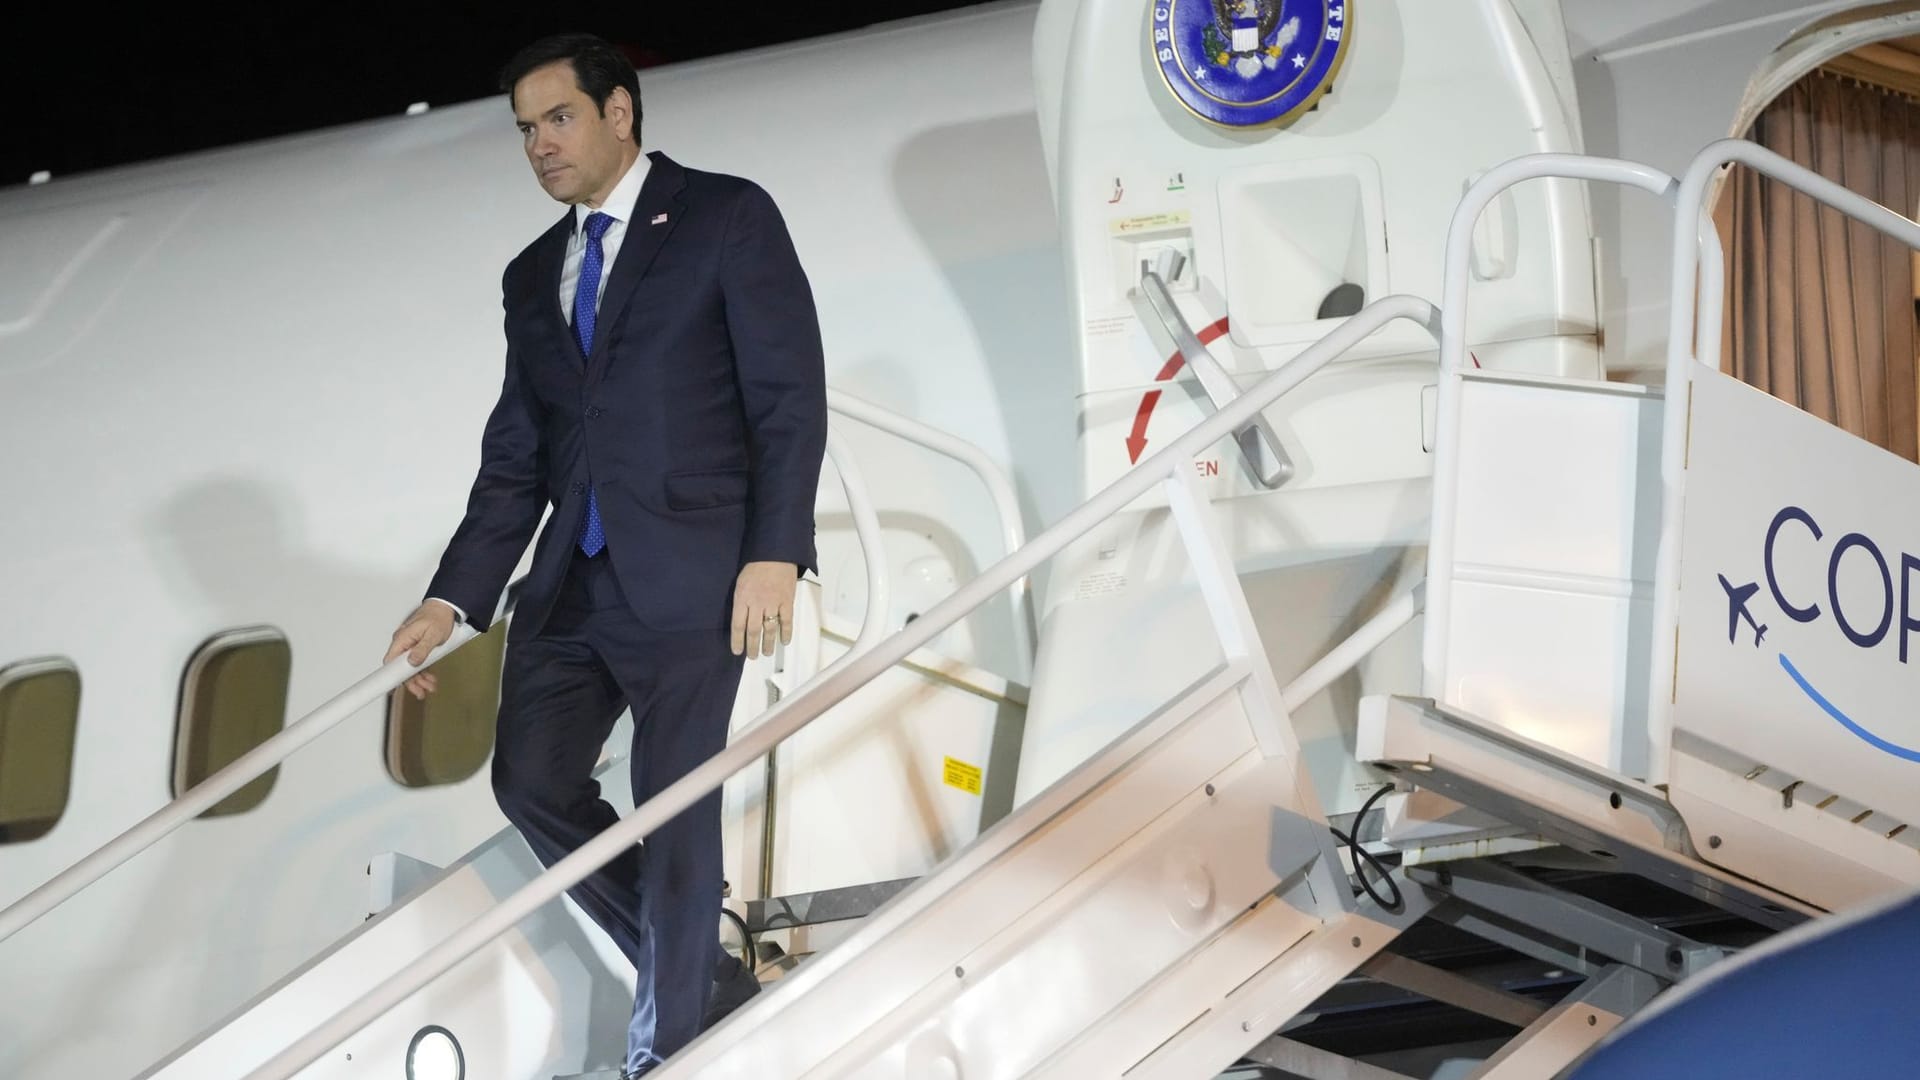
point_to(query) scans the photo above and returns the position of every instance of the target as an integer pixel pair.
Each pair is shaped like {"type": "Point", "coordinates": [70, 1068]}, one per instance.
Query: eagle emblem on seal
{"type": "Point", "coordinates": [1248, 37]}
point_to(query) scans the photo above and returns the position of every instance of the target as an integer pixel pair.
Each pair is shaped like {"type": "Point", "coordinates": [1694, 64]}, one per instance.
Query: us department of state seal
{"type": "Point", "coordinates": [1245, 63]}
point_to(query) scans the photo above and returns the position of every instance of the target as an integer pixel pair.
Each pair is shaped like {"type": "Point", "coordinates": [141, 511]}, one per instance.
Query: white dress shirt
{"type": "Point", "coordinates": [619, 206]}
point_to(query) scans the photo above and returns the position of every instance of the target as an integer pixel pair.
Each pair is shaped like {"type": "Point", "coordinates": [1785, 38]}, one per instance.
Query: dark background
{"type": "Point", "coordinates": [85, 86]}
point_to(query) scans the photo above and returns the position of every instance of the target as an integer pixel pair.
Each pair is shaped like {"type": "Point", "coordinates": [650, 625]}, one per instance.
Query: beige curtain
{"type": "Point", "coordinates": [1820, 309]}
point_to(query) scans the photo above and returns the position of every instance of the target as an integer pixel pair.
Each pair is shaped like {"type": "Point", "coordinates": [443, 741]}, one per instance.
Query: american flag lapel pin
{"type": "Point", "coordinates": [659, 219]}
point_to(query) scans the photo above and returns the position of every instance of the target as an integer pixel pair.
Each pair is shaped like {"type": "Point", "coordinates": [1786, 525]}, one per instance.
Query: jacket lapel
{"type": "Point", "coordinates": [553, 257]}
{"type": "Point", "coordinates": [655, 215]}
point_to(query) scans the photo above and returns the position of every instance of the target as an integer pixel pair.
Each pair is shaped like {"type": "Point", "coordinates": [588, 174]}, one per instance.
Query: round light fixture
{"type": "Point", "coordinates": [435, 1054]}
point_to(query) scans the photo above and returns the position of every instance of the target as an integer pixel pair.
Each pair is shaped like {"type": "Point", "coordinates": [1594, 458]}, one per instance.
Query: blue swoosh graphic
{"type": "Point", "coordinates": [1846, 721]}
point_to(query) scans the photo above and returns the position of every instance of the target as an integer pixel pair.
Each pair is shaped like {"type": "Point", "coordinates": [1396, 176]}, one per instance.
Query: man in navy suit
{"type": "Point", "coordinates": [665, 395]}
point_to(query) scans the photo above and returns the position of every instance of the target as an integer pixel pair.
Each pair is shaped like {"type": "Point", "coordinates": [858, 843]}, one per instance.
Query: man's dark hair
{"type": "Point", "coordinates": [598, 67]}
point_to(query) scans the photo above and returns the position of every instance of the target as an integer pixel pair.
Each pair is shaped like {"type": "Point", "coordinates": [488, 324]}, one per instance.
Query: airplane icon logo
{"type": "Point", "coordinates": [1737, 598]}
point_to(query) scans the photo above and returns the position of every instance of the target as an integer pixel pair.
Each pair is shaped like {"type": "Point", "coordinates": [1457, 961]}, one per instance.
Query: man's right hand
{"type": "Point", "coordinates": [429, 627]}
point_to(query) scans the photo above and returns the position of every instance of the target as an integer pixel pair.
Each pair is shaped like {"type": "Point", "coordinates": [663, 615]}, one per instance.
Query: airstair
{"type": "Point", "coordinates": [1179, 904]}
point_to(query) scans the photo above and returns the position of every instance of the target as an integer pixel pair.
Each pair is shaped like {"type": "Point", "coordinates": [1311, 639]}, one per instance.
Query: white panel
{"type": "Point", "coordinates": [1753, 458]}
{"type": "Point", "coordinates": [1548, 478]}
{"type": "Point", "coordinates": [1556, 528]}
{"type": "Point", "coordinates": [1550, 665]}
{"type": "Point", "coordinates": [1746, 827]}
{"type": "Point", "coordinates": [889, 742]}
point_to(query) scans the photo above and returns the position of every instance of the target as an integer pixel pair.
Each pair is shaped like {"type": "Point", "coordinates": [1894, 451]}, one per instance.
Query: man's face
{"type": "Point", "coordinates": [576, 153]}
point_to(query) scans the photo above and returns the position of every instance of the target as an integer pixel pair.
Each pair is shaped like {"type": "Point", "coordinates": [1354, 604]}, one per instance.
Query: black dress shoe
{"type": "Point", "coordinates": [733, 984]}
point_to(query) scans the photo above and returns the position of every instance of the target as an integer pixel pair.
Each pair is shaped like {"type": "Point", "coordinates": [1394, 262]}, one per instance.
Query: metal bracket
{"type": "Point", "coordinates": [1568, 1030]}
{"type": "Point", "coordinates": [1592, 926]}
{"type": "Point", "coordinates": [1439, 985]}
{"type": "Point", "coordinates": [1259, 445]}
{"type": "Point", "coordinates": [1299, 1059]}
{"type": "Point", "coordinates": [1549, 793]}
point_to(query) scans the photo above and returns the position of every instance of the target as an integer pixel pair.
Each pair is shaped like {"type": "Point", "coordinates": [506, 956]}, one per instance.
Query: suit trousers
{"type": "Point", "coordinates": [561, 692]}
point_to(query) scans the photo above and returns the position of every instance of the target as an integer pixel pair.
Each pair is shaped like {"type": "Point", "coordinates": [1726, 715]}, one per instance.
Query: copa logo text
{"type": "Point", "coordinates": [1868, 601]}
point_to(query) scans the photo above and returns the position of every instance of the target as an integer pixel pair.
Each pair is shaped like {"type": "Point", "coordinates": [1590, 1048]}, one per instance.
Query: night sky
{"type": "Point", "coordinates": [89, 86]}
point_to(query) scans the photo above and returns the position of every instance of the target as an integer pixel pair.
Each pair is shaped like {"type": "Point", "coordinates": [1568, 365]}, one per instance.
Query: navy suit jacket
{"type": "Point", "coordinates": [699, 417]}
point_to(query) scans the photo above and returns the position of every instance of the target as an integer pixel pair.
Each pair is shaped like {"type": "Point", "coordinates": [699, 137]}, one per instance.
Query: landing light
{"type": "Point", "coordinates": [435, 1054]}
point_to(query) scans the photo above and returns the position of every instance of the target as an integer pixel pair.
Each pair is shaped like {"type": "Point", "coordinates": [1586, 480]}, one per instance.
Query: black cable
{"type": "Point", "coordinates": [748, 952]}
{"type": "Point", "coordinates": [1363, 856]}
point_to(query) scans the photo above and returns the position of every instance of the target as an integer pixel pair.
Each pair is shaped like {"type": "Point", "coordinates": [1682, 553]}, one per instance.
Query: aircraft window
{"type": "Point", "coordinates": [39, 715]}
{"type": "Point", "coordinates": [234, 698]}
{"type": "Point", "coordinates": [447, 737]}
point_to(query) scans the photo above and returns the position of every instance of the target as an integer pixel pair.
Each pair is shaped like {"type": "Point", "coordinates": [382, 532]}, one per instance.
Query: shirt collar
{"type": "Point", "coordinates": [621, 200]}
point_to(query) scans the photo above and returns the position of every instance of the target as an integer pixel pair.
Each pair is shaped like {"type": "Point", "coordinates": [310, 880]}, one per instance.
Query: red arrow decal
{"type": "Point", "coordinates": [1137, 441]}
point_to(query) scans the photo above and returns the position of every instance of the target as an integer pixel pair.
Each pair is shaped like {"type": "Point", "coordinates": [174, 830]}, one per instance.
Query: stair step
{"type": "Point", "coordinates": [824, 906]}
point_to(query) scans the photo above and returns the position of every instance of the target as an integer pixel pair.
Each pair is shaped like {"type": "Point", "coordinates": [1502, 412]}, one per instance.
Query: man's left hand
{"type": "Point", "coordinates": [763, 607]}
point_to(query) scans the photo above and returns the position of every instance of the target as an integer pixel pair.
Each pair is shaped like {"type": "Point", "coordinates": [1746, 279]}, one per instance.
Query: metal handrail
{"type": "Point", "coordinates": [866, 525]}
{"type": "Point", "coordinates": [244, 769]}
{"type": "Point", "coordinates": [1706, 336]}
{"type": "Point", "coordinates": [999, 488]}
{"type": "Point", "coordinates": [241, 772]}
{"type": "Point", "coordinates": [799, 710]}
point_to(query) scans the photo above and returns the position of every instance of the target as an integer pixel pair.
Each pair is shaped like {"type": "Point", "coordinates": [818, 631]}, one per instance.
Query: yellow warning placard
{"type": "Point", "coordinates": [1167, 219]}
{"type": "Point", "coordinates": [963, 776]}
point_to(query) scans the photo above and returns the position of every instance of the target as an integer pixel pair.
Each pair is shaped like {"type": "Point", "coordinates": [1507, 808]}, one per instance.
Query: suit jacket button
{"type": "Point", "coordinates": [593, 412]}
{"type": "Point", "coordinates": [578, 488]}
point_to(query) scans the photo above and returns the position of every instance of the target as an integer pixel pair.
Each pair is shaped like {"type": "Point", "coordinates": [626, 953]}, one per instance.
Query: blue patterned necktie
{"type": "Point", "coordinates": [585, 300]}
